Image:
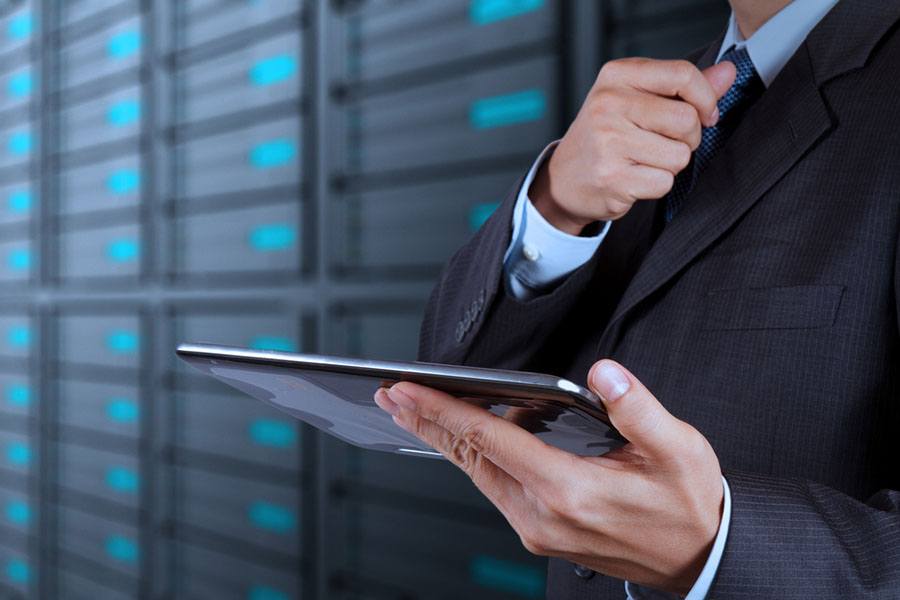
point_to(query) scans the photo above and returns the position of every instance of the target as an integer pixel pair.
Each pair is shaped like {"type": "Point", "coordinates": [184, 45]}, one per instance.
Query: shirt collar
{"type": "Point", "coordinates": [777, 40]}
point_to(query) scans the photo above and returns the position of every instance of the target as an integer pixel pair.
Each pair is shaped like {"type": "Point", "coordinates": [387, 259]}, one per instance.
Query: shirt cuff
{"type": "Point", "coordinates": [707, 575]}
{"type": "Point", "coordinates": [539, 254]}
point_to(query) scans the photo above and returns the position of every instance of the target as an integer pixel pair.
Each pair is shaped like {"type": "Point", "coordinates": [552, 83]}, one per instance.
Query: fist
{"type": "Point", "coordinates": [634, 133]}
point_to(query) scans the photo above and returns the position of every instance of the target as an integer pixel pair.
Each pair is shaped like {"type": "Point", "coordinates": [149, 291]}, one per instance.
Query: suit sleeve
{"type": "Point", "coordinates": [472, 318]}
{"type": "Point", "coordinates": [798, 539]}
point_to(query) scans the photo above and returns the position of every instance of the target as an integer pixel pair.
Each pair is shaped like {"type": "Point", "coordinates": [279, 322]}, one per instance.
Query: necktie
{"type": "Point", "coordinates": [747, 87]}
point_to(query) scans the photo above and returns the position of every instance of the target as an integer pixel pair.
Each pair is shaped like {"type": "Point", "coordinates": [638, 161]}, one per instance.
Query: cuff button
{"type": "Point", "coordinates": [583, 572]}
{"type": "Point", "coordinates": [531, 253]}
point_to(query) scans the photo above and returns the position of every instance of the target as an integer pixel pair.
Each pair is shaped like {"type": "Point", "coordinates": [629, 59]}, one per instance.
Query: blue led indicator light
{"type": "Point", "coordinates": [122, 480]}
{"type": "Point", "coordinates": [122, 342]}
{"type": "Point", "coordinates": [123, 181]}
{"type": "Point", "coordinates": [272, 237]}
{"type": "Point", "coordinates": [273, 70]}
{"type": "Point", "coordinates": [123, 250]}
{"type": "Point", "coordinates": [273, 153]}
{"type": "Point", "coordinates": [484, 12]}
{"type": "Point", "coordinates": [262, 592]}
{"type": "Point", "coordinates": [273, 342]}
{"type": "Point", "coordinates": [19, 85]}
{"type": "Point", "coordinates": [18, 395]}
{"type": "Point", "coordinates": [18, 259]}
{"type": "Point", "coordinates": [19, 336]}
{"type": "Point", "coordinates": [506, 576]}
{"type": "Point", "coordinates": [18, 513]}
{"type": "Point", "coordinates": [508, 109]}
{"type": "Point", "coordinates": [19, 144]}
{"type": "Point", "coordinates": [481, 213]}
{"type": "Point", "coordinates": [272, 517]}
{"type": "Point", "coordinates": [19, 202]}
{"type": "Point", "coordinates": [17, 571]}
{"type": "Point", "coordinates": [124, 44]}
{"type": "Point", "coordinates": [18, 454]}
{"type": "Point", "coordinates": [19, 27]}
{"type": "Point", "coordinates": [273, 433]}
{"type": "Point", "coordinates": [122, 410]}
{"type": "Point", "coordinates": [122, 549]}
{"type": "Point", "coordinates": [123, 113]}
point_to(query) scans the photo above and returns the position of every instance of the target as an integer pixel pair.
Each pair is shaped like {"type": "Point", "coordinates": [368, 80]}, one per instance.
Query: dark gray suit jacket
{"type": "Point", "coordinates": [766, 315]}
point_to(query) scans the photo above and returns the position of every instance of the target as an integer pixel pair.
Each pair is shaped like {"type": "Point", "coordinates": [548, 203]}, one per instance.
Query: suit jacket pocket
{"type": "Point", "coordinates": [794, 307]}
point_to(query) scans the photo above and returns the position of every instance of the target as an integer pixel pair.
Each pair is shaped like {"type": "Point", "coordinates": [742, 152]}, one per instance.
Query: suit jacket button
{"type": "Point", "coordinates": [583, 572]}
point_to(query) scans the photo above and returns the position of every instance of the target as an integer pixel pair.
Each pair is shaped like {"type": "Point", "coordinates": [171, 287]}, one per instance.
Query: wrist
{"type": "Point", "coordinates": [541, 195]}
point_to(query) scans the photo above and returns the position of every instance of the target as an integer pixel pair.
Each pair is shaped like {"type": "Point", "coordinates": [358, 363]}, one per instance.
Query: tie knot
{"type": "Point", "coordinates": [747, 83]}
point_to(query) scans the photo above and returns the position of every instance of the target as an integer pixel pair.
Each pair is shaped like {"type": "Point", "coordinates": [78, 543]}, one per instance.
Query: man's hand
{"type": "Point", "coordinates": [635, 132]}
{"type": "Point", "coordinates": [647, 512]}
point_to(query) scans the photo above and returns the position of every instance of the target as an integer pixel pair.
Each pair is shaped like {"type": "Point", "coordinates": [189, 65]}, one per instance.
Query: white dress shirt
{"type": "Point", "coordinates": [540, 256]}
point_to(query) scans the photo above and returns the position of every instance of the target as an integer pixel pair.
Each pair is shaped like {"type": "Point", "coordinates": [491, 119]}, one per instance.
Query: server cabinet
{"type": "Point", "coordinates": [286, 175]}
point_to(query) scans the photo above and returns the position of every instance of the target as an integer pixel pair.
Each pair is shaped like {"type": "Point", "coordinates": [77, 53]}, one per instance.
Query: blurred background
{"type": "Point", "coordinates": [273, 174]}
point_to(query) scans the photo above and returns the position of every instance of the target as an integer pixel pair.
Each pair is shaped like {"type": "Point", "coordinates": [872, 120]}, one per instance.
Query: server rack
{"type": "Point", "coordinates": [267, 173]}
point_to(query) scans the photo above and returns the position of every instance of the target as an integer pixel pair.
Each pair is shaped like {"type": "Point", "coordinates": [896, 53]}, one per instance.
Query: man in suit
{"type": "Point", "coordinates": [727, 229]}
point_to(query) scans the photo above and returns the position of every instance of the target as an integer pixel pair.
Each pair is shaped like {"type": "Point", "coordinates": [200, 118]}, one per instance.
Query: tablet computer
{"type": "Point", "coordinates": [335, 394]}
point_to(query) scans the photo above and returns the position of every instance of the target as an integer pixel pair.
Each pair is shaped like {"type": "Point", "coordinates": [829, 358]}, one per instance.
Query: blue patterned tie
{"type": "Point", "coordinates": [747, 87]}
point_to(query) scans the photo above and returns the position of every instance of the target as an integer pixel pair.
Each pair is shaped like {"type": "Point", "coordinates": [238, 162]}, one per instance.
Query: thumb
{"type": "Point", "coordinates": [633, 410]}
{"type": "Point", "coordinates": [721, 77]}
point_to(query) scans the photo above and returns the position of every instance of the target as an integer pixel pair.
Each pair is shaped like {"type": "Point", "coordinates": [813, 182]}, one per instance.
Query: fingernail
{"type": "Point", "coordinates": [715, 115]}
{"type": "Point", "coordinates": [610, 381]}
{"type": "Point", "coordinates": [385, 403]}
{"type": "Point", "coordinates": [402, 399]}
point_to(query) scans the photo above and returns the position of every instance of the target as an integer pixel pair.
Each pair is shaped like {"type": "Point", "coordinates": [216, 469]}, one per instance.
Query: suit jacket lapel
{"type": "Point", "coordinates": [783, 124]}
{"type": "Point", "coordinates": [708, 57]}
{"type": "Point", "coordinates": [775, 133]}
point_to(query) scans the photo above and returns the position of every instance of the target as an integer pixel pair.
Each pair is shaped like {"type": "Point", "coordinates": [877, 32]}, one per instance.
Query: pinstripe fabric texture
{"type": "Point", "coordinates": [747, 87]}
{"type": "Point", "coordinates": [766, 315]}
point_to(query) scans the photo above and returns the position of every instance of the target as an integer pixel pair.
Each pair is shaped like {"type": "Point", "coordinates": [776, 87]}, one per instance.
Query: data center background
{"type": "Point", "coordinates": [262, 173]}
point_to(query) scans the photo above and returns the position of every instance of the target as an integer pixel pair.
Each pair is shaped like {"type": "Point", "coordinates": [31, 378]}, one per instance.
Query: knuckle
{"type": "Point", "coordinates": [475, 434]}
{"type": "Point", "coordinates": [606, 172]}
{"type": "Point", "coordinates": [601, 178]}
{"type": "Point", "coordinates": [653, 190]}
{"type": "Point", "coordinates": [684, 70]}
{"type": "Point", "coordinates": [685, 118]}
{"type": "Point", "coordinates": [617, 208]}
{"type": "Point", "coordinates": [533, 542]}
{"type": "Point", "coordinates": [665, 183]}
{"type": "Point", "coordinates": [696, 446]}
{"type": "Point", "coordinates": [416, 424]}
{"type": "Point", "coordinates": [657, 192]}
{"type": "Point", "coordinates": [682, 156]}
{"type": "Point", "coordinates": [599, 116]}
{"type": "Point", "coordinates": [613, 69]}
{"type": "Point", "coordinates": [645, 422]}
{"type": "Point", "coordinates": [693, 139]}
{"type": "Point", "coordinates": [609, 140]}
{"type": "Point", "coordinates": [467, 447]}
{"type": "Point", "coordinates": [464, 456]}
{"type": "Point", "coordinates": [605, 102]}
{"type": "Point", "coordinates": [606, 179]}
{"type": "Point", "coordinates": [619, 70]}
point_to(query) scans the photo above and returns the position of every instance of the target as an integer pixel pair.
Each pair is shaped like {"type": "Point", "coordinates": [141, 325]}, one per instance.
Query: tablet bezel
{"type": "Point", "coordinates": [470, 380]}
